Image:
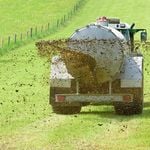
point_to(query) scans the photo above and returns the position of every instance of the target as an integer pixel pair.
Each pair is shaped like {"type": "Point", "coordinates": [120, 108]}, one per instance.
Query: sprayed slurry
{"type": "Point", "coordinates": [93, 61]}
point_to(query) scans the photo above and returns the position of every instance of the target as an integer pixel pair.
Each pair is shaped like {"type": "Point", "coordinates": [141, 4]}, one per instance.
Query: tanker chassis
{"type": "Point", "coordinates": [117, 75]}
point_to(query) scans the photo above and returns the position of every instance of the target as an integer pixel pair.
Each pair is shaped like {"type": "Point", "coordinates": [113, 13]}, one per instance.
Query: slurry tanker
{"type": "Point", "coordinates": [98, 64]}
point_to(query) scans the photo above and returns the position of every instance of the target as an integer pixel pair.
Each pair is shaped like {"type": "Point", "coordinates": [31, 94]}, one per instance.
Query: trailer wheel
{"type": "Point", "coordinates": [135, 107]}
{"type": "Point", "coordinates": [128, 109]}
{"type": "Point", "coordinates": [62, 108]}
{"type": "Point", "coordinates": [66, 109]}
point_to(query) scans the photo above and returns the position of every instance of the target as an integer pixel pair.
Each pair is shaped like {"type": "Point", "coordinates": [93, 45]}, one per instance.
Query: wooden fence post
{"type": "Point", "coordinates": [57, 22]}
{"type": "Point", "coordinates": [27, 34]}
{"type": "Point", "coordinates": [15, 40]}
{"type": "Point", "coordinates": [76, 6]}
{"type": "Point", "coordinates": [41, 29]}
{"type": "Point", "coordinates": [71, 13]}
{"type": "Point", "coordinates": [48, 26]}
{"type": "Point", "coordinates": [2, 42]}
{"type": "Point", "coordinates": [74, 9]}
{"type": "Point", "coordinates": [8, 40]}
{"type": "Point", "coordinates": [31, 32]}
{"type": "Point", "coordinates": [68, 15]}
{"type": "Point", "coordinates": [64, 18]}
{"type": "Point", "coordinates": [35, 30]}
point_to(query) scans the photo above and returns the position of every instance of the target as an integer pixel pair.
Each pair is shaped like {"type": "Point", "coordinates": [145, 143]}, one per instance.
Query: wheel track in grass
{"type": "Point", "coordinates": [32, 132]}
{"type": "Point", "coordinates": [76, 132]}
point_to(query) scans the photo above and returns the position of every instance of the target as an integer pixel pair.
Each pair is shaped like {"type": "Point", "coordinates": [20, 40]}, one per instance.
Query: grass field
{"type": "Point", "coordinates": [26, 119]}
{"type": "Point", "coordinates": [20, 16]}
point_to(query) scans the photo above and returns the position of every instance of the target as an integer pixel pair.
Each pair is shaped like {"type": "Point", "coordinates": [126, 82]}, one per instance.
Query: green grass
{"type": "Point", "coordinates": [37, 31]}
{"type": "Point", "coordinates": [23, 87]}
{"type": "Point", "coordinates": [26, 120]}
{"type": "Point", "coordinates": [128, 11]}
{"type": "Point", "coordinates": [19, 16]}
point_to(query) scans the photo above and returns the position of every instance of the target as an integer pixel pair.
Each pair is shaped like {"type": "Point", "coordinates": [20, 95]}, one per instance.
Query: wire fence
{"type": "Point", "coordinates": [16, 40]}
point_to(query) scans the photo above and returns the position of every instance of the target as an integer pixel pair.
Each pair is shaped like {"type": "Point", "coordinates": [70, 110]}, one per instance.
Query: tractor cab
{"type": "Point", "coordinates": [127, 30]}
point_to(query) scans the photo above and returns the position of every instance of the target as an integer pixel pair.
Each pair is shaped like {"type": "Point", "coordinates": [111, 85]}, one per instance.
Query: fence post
{"type": "Point", "coordinates": [27, 34]}
{"type": "Point", "coordinates": [68, 15]}
{"type": "Point", "coordinates": [15, 40]}
{"type": "Point", "coordinates": [8, 40]}
{"type": "Point", "coordinates": [35, 30]}
{"type": "Point", "coordinates": [64, 18]}
{"type": "Point", "coordinates": [71, 13]}
{"type": "Point", "coordinates": [48, 26]}
{"type": "Point", "coordinates": [77, 6]}
{"type": "Point", "coordinates": [74, 9]}
{"type": "Point", "coordinates": [31, 31]}
{"type": "Point", "coordinates": [41, 29]}
{"type": "Point", "coordinates": [2, 43]}
{"type": "Point", "coordinates": [57, 22]}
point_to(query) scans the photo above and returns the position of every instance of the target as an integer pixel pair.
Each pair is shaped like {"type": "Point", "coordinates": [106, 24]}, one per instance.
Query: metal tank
{"type": "Point", "coordinates": [105, 45]}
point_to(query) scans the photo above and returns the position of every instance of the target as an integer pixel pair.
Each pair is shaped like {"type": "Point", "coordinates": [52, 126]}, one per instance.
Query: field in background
{"type": "Point", "coordinates": [59, 19]}
{"type": "Point", "coordinates": [26, 120]}
{"type": "Point", "coordinates": [20, 16]}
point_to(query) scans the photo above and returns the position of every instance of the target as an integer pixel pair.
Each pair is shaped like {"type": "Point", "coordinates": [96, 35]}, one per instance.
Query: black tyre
{"type": "Point", "coordinates": [66, 109]}
{"type": "Point", "coordinates": [63, 107]}
{"type": "Point", "coordinates": [128, 109]}
{"type": "Point", "coordinates": [135, 107]}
